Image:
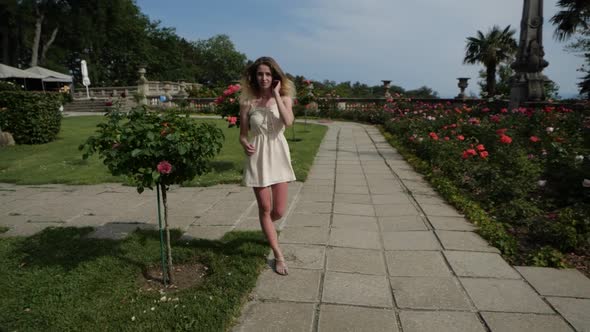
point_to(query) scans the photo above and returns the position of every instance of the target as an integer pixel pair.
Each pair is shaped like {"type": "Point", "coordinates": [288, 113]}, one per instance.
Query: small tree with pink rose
{"type": "Point", "coordinates": [155, 150]}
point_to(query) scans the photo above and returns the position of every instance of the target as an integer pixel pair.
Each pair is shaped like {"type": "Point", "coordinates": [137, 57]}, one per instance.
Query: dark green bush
{"type": "Point", "coordinates": [31, 117]}
{"type": "Point", "coordinates": [9, 86]}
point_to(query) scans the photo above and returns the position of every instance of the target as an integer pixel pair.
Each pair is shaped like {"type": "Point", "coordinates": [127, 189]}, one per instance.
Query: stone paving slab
{"type": "Point", "coordinates": [398, 198]}
{"type": "Point", "coordinates": [308, 220]}
{"type": "Point", "coordinates": [304, 256]}
{"type": "Point", "coordinates": [327, 190]}
{"type": "Point", "coordinates": [416, 264]}
{"type": "Point", "coordinates": [467, 241]}
{"type": "Point", "coordinates": [480, 264]}
{"type": "Point", "coordinates": [277, 316]}
{"type": "Point", "coordinates": [575, 311]}
{"type": "Point", "coordinates": [504, 295]}
{"type": "Point", "coordinates": [352, 238]}
{"type": "Point", "coordinates": [440, 321]}
{"type": "Point", "coordinates": [352, 198]}
{"type": "Point", "coordinates": [346, 180]}
{"type": "Point", "coordinates": [387, 210]}
{"type": "Point", "coordinates": [356, 289]}
{"type": "Point", "coordinates": [361, 223]}
{"type": "Point", "coordinates": [429, 293]}
{"type": "Point", "coordinates": [410, 241]}
{"type": "Point", "coordinates": [440, 210]}
{"type": "Point", "coordinates": [402, 223]}
{"type": "Point", "coordinates": [300, 285]}
{"type": "Point", "coordinates": [554, 282]}
{"type": "Point", "coordinates": [343, 189]}
{"type": "Point", "coordinates": [318, 197]}
{"type": "Point", "coordinates": [248, 224]}
{"type": "Point", "coordinates": [338, 318]}
{"type": "Point", "coordinates": [355, 261]}
{"type": "Point", "coordinates": [501, 321]}
{"type": "Point", "coordinates": [304, 235]}
{"type": "Point", "coordinates": [312, 207]}
{"type": "Point", "coordinates": [354, 209]}
{"type": "Point", "coordinates": [451, 223]}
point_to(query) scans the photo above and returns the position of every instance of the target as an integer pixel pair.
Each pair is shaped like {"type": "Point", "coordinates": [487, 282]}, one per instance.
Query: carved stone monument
{"type": "Point", "coordinates": [528, 80]}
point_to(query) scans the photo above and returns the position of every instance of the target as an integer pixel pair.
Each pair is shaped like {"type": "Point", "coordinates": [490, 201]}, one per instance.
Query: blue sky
{"type": "Point", "coordinates": [412, 43]}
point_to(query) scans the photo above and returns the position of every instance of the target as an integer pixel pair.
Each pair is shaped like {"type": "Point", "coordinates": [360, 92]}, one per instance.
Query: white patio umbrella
{"type": "Point", "coordinates": [85, 79]}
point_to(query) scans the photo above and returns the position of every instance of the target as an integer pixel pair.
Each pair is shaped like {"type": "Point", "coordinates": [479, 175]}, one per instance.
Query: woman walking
{"type": "Point", "coordinates": [265, 110]}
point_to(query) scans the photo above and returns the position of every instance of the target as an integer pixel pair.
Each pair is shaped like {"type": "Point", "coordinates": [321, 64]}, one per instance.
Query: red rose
{"type": "Point", "coordinates": [505, 139]}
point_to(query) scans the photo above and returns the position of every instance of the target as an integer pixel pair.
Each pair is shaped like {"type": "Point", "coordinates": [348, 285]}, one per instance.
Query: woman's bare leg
{"type": "Point", "coordinates": [263, 197]}
{"type": "Point", "coordinates": [279, 200]}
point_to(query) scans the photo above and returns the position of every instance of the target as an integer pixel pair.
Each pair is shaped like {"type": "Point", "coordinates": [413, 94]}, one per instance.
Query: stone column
{"type": "Point", "coordinates": [527, 84]}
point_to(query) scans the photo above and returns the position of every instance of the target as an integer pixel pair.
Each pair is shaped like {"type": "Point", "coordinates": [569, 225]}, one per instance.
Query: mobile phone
{"type": "Point", "coordinates": [274, 83]}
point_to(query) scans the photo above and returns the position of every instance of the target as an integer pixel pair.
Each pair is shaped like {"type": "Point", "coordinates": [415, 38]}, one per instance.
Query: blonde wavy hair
{"type": "Point", "coordinates": [250, 88]}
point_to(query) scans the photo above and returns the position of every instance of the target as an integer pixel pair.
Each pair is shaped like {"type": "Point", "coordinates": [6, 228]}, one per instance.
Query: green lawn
{"type": "Point", "coordinates": [61, 162]}
{"type": "Point", "coordinates": [59, 280]}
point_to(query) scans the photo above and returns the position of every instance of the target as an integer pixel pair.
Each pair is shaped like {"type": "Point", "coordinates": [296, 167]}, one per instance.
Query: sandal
{"type": "Point", "coordinates": [284, 271]}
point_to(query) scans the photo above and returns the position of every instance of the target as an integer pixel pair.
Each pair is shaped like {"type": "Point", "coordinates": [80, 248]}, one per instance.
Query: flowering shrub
{"type": "Point", "coordinates": [153, 150]}
{"type": "Point", "coordinates": [228, 105]}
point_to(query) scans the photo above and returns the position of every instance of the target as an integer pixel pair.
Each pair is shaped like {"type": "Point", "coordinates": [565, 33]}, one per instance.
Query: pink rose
{"type": "Point", "coordinates": [164, 167]}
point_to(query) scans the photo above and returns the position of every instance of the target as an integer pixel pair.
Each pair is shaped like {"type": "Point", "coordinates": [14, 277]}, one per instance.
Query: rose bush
{"type": "Point", "coordinates": [155, 150]}
{"type": "Point", "coordinates": [228, 105]}
{"type": "Point", "coordinates": [525, 166]}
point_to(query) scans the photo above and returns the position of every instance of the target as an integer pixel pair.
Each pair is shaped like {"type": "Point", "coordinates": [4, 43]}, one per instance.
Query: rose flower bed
{"type": "Point", "coordinates": [528, 168]}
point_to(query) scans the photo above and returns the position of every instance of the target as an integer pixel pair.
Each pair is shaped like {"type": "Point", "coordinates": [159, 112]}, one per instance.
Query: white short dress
{"type": "Point", "coordinates": [271, 162]}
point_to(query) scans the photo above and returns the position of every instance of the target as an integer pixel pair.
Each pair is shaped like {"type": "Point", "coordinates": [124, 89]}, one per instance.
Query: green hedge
{"type": "Point", "coordinates": [31, 117]}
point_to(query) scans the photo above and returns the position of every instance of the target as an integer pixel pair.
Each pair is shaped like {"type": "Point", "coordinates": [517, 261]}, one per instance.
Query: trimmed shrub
{"type": "Point", "coordinates": [31, 117]}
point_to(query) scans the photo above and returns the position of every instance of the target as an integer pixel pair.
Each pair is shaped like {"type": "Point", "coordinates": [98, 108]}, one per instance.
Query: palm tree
{"type": "Point", "coordinates": [491, 49]}
{"type": "Point", "coordinates": [575, 15]}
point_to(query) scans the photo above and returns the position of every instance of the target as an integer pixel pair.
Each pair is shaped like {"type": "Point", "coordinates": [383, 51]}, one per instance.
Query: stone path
{"type": "Point", "coordinates": [116, 210]}
{"type": "Point", "coordinates": [370, 247]}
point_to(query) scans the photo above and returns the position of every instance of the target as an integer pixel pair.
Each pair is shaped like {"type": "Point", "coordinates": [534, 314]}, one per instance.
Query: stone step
{"type": "Point", "coordinates": [96, 105]}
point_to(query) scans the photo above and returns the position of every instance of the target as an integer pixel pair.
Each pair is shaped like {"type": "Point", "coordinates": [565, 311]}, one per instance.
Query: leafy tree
{"type": "Point", "coordinates": [574, 20]}
{"type": "Point", "coordinates": [219, 61]}
{"type": "Point", "coordinates": [490, 49]}
{"type": "Point", "coordinates": [422, 92]}
{"type": "Point", "coordinates": [574, 17]}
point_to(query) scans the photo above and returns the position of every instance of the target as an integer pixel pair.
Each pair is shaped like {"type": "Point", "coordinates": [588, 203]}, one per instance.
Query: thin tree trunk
{"type": "Point", "coordinates": [491, 80]}
{"type": "Point", "coordinates": [47, 45]}
{"type": "Point", "coordinates": [168, 245]}
{"type": "Point", "coordinates": [37, 40]}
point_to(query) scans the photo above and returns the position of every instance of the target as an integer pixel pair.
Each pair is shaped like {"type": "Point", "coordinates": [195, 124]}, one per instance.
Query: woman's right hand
{"type": "Point", "coordinates": [248, 148]}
